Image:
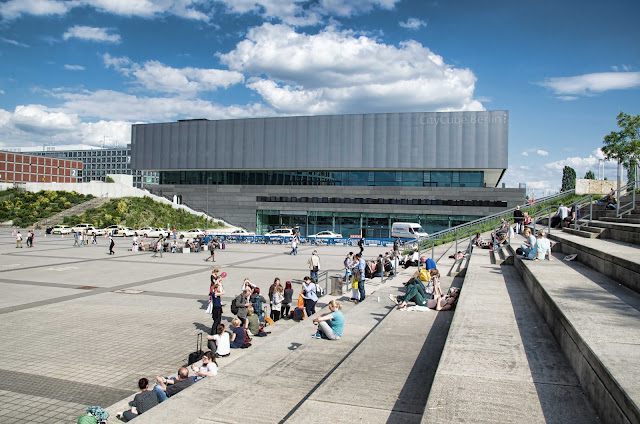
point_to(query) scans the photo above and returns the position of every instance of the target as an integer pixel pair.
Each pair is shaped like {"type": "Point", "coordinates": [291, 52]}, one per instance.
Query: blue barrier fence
{"type": "Point", "coordinates": [343, 241]}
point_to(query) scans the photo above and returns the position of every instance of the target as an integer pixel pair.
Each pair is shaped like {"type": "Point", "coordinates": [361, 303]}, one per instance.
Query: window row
{"type": "Point", "coordinates": [379, 201]}
{"type": "Point", "coordinates": [348, 178]}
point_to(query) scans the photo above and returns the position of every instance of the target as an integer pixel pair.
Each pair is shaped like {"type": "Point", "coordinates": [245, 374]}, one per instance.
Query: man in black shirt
{"type": "Point", "coordinates": [168, 387]}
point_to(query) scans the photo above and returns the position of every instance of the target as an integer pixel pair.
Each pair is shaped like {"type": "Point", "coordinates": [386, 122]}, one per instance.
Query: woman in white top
{"type": "Point", "coordinates": [222, 342]}
{"type": "Point", "coordinates": [529, 242]}
{"type": "Point", "coordinates": [276, 305]}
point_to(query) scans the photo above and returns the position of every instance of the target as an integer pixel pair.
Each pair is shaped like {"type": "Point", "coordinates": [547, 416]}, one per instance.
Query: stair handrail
{"type": "Point", "coordinates": [632, 205]}
{"type": "Point", "coordinates": [501, 214]}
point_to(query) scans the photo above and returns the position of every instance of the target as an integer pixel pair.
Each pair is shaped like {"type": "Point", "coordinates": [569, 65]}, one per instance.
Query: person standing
{"type": "Point", "coordinates": [396, 247]}
{"type": "Point", "coordinates": [310, 296]}
{"type": "Point", "coordinates": [30, 238]}
{"type": "Point", "coordinates": [272, 290]}
{"type": "Point", "coordinates": [212, 249]}
{"type": "Point", "coordinates": [111, 245]}
{"type": "Point", "coordinates": [362, 266]}
{"type": "Point", "coordinates": [19, 240]}
{"type": "Point", "coordinates": [75, 236]}
{"type": "Point", "coordinates": [294, 246]}
{"type": "Point", "coordinates": [286, 302]}
{"type": "Point", "coordinates": [361, 244]}
{"type": "Point", "coordinates": [314, 265]}
{"type": "Point", "coordinates": [518, 218]}
{"type": "Point", "coordinates": [216, 311]}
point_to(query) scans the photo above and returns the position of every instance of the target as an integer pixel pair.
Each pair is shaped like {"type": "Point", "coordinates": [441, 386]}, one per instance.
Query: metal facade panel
{"type": "Point", "coordinates": [412, 140]}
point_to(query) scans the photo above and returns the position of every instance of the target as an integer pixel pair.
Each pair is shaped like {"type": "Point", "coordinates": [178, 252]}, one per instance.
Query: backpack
{"type": "Point", "coordinates": [234, 306]}
{"type": "Point", "coordinates": [320, 291]}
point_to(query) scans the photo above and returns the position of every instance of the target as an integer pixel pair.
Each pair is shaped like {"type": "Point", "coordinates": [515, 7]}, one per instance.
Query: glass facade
{"type": "Point", "coordinates": [350, 223]}
{"type": "Point", "coordinates": [349, 178]}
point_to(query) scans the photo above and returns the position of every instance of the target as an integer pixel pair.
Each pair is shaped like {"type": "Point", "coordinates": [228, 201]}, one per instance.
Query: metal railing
{"type": "Point", "coordinates": [627, 207]}
{"type": "Point", "coordinates": [502, 214]}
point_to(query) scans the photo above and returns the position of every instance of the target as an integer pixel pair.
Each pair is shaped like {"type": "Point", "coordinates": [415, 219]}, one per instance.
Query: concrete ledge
{"type": "Point", "coordinates": [598, 332]}
{"type": "Point", "coordinates": [500, 362]}
{"type": "Point", "coordinates": [615, 259]}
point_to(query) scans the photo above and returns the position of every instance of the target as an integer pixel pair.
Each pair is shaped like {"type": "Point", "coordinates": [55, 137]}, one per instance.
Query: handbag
{"type": "Point", "coordinates": [210, 306]}
{"type": "Point", "coordinates": [315, 269]}
{"type": "Point", "coordinates": [354, 283]}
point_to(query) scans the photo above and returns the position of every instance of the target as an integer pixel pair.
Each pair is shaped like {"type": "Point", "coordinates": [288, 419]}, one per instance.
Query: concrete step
{"type": "Point", "coordinates": [596, 321]}
{"type": "Point", "coordinates": [617, 230]}
{"type": "Point", "coordinates": [501, 363]}
{"type": "Point", "coordinates": [621, 220]}
{"type": "Point", "coordinates": [581, 233]}
{"type": "Point", "coordinates": [74, 210]}
{"type": "Point", "coordinates": [615, 259]}
{"type": "Point", "coordinates": [596, 230]}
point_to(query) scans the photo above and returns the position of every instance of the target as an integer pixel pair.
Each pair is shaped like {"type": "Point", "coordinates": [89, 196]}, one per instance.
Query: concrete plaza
{"type": "Point", "coordinates": [80, 327]}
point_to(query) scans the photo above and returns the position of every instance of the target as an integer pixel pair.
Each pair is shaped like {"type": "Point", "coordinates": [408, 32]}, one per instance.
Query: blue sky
{"type": "Point", "coordinates": [80, 72]}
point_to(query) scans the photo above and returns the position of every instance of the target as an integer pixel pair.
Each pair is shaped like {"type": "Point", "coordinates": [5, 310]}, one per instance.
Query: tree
{"type": "Point", "coordinates": [568, 179]}
{"type": "Point", "coordinates": [589, 175]}
{"type": "Point", "coordinates": [624, 145]}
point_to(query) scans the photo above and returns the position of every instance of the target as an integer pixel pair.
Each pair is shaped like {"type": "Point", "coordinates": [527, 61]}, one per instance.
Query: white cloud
{"type": "Point", "coordinates": [74, 67]}
{"type": "Point", "coordinates": [525, 153]}
{"type": "Point", "coordinates": [156, 76]}
{"type": "Point", "coordinates": [298, 12]}
{"type": "Point", "coordinates": [14, 8]}
{"type": "Point", "coordinates": [589, 84]}
{"type": "Point", "coordinates": [621, 68]}
{"type": "Point", "coordinates": [412, 23]}
{"type": "Point", "coordinates": [524, 167]}
{"type": "Point", "coordinates": [13, 42]}
{"type": "Point", "coordinates": [142, 8]}
{"type": "Point", "coordinates": [542, 152]}
{"type": "Point", "coordinates": [2, 92]}
{"type": "Point", "coordinates": [91, 34]}
{"type": "Point", "coordinates": [338, 71]}
{"type": "Point", "coordinates": [40, 120]}
{"type": "Point", "coordinates": [582, 164]}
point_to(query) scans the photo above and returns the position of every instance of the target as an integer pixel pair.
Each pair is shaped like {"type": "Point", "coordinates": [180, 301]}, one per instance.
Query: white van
{"type": "Point", "coordinates": [408, 230]}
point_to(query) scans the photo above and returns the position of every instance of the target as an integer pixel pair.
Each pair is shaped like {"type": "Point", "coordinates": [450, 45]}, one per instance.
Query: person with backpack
{"type": "Point", "coordinates": [286, 302]}
{"type": "Point", "coordinates": [310, 296]}
{"type": "Point", "coordinates": [240, 304]}
{"type": "Point", "coordinates": [257, 301]}
{"type": "Point", "coordinates": [314, 265]}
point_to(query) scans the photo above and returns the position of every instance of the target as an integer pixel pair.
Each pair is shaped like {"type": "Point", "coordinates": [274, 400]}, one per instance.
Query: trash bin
{"type": "Point", "coordinates": [336, 285]}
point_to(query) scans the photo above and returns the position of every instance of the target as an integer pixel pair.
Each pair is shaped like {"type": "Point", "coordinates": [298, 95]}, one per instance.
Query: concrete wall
{"type": "Point", "coordinates": [594, 186]}
{"type": "Point", "coordinates": [237, 203]}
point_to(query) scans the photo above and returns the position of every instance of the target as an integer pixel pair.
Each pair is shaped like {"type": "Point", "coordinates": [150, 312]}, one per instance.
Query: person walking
{"type": "Point", "coordinates": [30, 237]}
{"type": "Point", "coordinates": [111, 245]}
{"type": "Point", "coordinates": [314, 265]}
{"type": "Point", "coordinates": [75, 236]}
{"type": "Point", "coordinates": [212, 249]}
{"type": "Point", "coordinates": [159, 247]}
{"type": "Point", "coordinates": [361, 244]}
{"type": "Point", "coordinates": [19, 240]}
{"type": "Point", "coordinates": [294, 246]}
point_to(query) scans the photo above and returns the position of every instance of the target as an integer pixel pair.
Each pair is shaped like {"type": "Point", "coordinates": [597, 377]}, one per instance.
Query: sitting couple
{"type": "Point", "coordinates": [417, 295]}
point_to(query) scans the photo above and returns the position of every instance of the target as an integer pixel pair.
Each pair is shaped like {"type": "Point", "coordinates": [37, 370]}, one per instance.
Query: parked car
{"type": "Point", "coordinates": [191, 234]}
{"type": "Point", "coordinates": [152, 232]}
{"type": "Point", "coordinates": [81, 228]}
{"type": "Point", "coordinates": [61, 229]}
{"type": "Point", "coordinates": [281, 232]}
{"type": "Point", "coordinates": [326, 234]}
{"type": "Point", "coordinates": [241, 232]}
{"type": "Point", "coordinates": [112, 228]}
{"type": "Point", "coordinates": [123, 231]}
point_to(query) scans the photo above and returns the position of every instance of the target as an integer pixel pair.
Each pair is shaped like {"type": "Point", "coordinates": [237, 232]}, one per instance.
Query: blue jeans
{"type": "Point", "coordinates": [314, 275]}
{"type": "Point", "coordinates": [160, 394]}
{"type": "Point", "coordinates": [361, 289]}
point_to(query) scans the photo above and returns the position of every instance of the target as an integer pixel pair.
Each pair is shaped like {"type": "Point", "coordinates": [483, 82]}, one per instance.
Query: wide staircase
{"type": "Point", "coordinates": [550, 341]}
{"type": "Point", "coordinates": [547, 341]}
{"type": "Point", "coordinates": [75, 210]}
{"type": "Point", "coordinates": [379, 371]}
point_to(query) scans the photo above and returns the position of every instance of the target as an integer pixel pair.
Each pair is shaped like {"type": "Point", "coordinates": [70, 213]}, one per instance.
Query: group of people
{"type": "Point", "coordinates": [82, 238]}
{"type": "Point", "coordinates": [423, 288]}
{"type": "Point", "coordinates": [564, 216]}
{"type": "Point", "coordinates": [535, 248]}
{"type": "Point", "coordinates": [30, 236]}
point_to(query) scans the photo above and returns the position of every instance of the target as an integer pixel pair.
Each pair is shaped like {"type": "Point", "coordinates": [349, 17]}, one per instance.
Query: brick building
{"type": "Point", "coordinates": [21, 168]}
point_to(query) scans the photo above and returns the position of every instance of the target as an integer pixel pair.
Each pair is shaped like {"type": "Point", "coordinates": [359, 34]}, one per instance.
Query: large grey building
{"type": "Point", "coordinates": [342, 172]}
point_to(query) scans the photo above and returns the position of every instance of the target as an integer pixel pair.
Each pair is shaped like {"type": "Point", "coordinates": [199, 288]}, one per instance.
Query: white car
{"type": "Point", "coordinates": [152, 232]}
{"type": "Point", "coordinates": [81, 228]}
{"type": "Point", "coordinates": [191, 234]}
{"type": "Point", "coordinates": [241, 232]}
{"type": "Point", "coordinates": [123, 231]}
{"type": "Point", "coordinates": [280, 232]}
{"type": "Point", "coordinates": [112, 228]}
{"type": "Point", "coordinates": [326, 234]}
{"type": "Point", "coordinates": [61, 229]}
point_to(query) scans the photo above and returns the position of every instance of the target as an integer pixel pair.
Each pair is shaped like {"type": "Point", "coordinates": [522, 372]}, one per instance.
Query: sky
{"type": "Point", "coordinates": [80, 72]}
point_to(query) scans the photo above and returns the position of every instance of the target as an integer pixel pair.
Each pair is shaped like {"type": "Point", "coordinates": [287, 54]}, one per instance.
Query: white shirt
{"type": "Point", "coordinates": [18, 236]}
{"type": "Point", "coordinates": [223, 343]}
{"type": "Point", "coordinates": [563, 211]}
{"type": "Point", "coordinates": [211, 367]}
